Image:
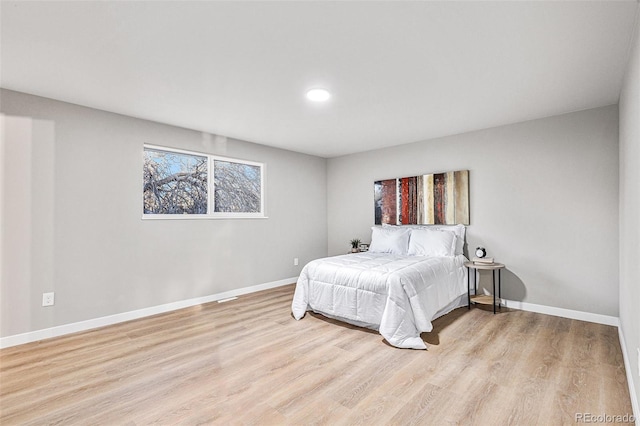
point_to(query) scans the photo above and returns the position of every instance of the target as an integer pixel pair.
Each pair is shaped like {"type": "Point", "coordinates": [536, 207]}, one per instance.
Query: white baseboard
{"type": "Point", "coordinates": [561, 312]}
{"type": "Point", "coordinates": [61, 330]}
{"type": "Point", "coordinates": [630, 382]}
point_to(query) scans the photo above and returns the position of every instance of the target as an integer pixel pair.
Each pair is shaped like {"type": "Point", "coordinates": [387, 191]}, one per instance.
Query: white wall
{"type": "Point", "coordinates": [630, 209]}
{"type": "Point", "coordinates": [543, 200]}
{"type": "Point", "coordinates": [26, 216]}
{"type": "Point", "coordinates": [83, 234]}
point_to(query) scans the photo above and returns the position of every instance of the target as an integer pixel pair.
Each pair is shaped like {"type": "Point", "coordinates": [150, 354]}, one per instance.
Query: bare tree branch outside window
{"type": "Point", "coordinates": [175, 183]}
{"type": "Point", "coordinates": [180, 183]}
{"type": "Point", "coordinates": [237, 187]}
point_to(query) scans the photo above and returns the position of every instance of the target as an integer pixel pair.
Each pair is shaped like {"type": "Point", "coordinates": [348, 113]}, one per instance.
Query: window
{"type": "Point", "coordinates": [181, 184]}
{"type": "Point", "coordinates": [237, 187]}
{"type": "Point", "coordinates": [175, 183]}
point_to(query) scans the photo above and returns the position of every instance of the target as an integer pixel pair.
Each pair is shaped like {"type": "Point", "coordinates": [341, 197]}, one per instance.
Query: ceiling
{"type": "Point", "coordinates": [398, 71]}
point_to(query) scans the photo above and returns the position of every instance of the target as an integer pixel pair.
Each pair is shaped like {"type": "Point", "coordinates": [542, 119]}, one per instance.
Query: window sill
{"type": "Point", "coordinates": [198, 217]}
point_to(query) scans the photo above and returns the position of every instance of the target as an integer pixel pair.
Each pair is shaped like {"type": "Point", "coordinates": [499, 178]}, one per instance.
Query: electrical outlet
{"type": "Point", "coordinates": [47, 299]}
{"type": "Point", "coordinates": [295, 261]}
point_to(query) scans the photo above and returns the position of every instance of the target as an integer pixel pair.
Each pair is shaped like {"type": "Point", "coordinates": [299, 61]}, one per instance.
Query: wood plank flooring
{"type": "Point", "coordinates": [249, 362]}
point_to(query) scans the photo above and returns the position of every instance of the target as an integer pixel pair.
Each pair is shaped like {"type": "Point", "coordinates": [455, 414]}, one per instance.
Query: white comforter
{"type": "Point", "coordinates": [397, 295]}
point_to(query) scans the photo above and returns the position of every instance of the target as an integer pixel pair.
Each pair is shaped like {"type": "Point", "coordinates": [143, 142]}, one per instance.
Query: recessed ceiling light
{"type": "Point", "coordinates": [318, 95]}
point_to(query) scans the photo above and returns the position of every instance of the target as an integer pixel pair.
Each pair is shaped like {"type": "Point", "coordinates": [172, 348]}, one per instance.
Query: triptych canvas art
{"type": "Point", "coordinates": [438, 198]}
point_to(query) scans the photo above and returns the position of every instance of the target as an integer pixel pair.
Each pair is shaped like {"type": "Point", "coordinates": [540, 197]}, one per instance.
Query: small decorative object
{"type": "Point", "coordinates": [364, 247]}
{"type": "Point", "coordinates": [481, 257]}
{"type": "Point", "coordinates": [355, 244]}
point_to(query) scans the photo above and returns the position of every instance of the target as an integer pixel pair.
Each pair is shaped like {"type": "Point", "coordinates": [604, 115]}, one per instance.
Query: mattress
{"type": "Point", "coordinates": [397, 295]}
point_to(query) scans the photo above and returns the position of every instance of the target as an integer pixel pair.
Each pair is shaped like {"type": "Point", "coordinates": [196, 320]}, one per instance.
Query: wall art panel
{"type": "Point", "coordinates": [432, 199]}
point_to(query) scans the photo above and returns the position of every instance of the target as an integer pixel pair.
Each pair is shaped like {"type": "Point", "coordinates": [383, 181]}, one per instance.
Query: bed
{"type": "Point", "coordinates": [409, 277]}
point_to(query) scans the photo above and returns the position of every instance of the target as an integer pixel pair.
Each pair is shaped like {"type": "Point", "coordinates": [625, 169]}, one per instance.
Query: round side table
{"type": "Point", "coordinates": [482, 299]}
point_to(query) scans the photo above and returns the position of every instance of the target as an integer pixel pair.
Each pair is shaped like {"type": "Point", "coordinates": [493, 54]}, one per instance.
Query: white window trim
{"type": "Point", "coordinates": [211, 188]}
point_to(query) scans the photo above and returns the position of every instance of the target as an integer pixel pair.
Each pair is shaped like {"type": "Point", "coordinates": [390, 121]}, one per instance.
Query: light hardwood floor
{"type": "Point", "coordinates": [249, 362]}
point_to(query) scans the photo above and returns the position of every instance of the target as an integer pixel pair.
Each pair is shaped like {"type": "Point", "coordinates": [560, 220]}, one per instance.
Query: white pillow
{"type": "Point", "coordinates": [458, 230]}
{"type": "Point", "coordinates": [389, 240]}
{"type": "Point", "coordinates": [431, 242]}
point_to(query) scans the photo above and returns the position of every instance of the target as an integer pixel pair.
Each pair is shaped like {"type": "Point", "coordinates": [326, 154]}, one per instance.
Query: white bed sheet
{"type": "Point", "coordinates": [397, 295]}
